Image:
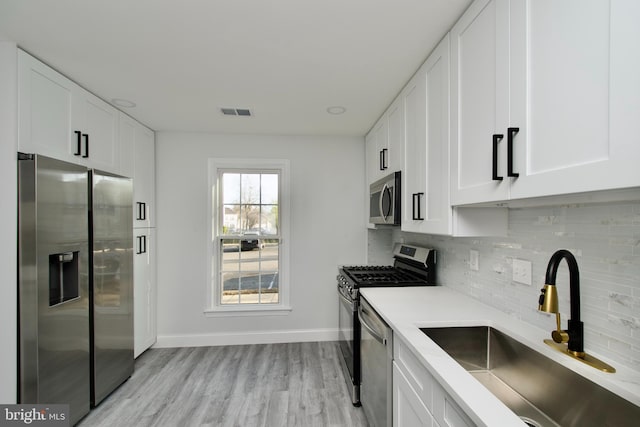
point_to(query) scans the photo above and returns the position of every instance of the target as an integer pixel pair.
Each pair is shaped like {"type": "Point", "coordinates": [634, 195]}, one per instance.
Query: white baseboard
{"type": "Point", "coordinates": [238, 338]}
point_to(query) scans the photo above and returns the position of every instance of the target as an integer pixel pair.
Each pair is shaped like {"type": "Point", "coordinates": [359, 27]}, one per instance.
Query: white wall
{"type": "Point", "coordinates": [327, 229]}
{"type": "Point", "coordinates": [8, 221]}
{"type": "Point", "coordinates": [605, 239]}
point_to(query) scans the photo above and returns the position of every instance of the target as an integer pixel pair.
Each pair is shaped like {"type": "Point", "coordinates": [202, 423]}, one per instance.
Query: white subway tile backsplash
{"type": "Point", "coordinates": [604, 238]}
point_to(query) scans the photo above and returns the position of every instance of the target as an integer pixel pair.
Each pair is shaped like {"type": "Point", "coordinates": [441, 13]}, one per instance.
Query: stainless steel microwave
{"type": "Point", "coordinates": [384, 200]}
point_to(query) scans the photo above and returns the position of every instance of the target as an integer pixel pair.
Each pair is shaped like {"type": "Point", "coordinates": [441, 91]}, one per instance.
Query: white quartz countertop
{"type": "Point", "coordinates": [407, 309]}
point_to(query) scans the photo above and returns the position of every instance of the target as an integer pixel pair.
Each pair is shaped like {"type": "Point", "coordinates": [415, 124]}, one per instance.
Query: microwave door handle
{"type": "Point", "coordinates": [383, 214]}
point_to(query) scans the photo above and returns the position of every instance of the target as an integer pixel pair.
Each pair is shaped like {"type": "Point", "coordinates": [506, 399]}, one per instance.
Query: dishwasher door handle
{"type": "Point", "coordinates": [382, 340]}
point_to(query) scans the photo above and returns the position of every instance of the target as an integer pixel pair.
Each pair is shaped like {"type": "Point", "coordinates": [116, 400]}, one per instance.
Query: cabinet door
{"type": "Point", "coordinates": [144, 178]}
{"type": "Point", "coordinates": [381, 135]}
{"type": "Point", "coordinates": [446, 411]}
{"type": "Point", "coordinates": [98, 123]}
{"type": "Point", "coordinates": [394, 156]}
{"type": "Point", "coordinates": [575, 95]}
{"type": "Point", "coordinates": [144, 289]}
{"type": "Point", "coordinates": [372, 159]}
{"type": "Point", "coordinates": [126, 140]}
{"type": "Point", "coordinates": [45, 109]}
{"type": "Point", "coordinates": [408, 409]}
{"type": "Point", "coordinates": [427, 207]}
{"type": "Point", "coordinates": [479, 101]}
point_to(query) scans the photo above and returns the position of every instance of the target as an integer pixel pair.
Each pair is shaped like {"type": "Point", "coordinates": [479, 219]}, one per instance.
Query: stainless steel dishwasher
{"type": "Point", "coordinates": [376, 352]}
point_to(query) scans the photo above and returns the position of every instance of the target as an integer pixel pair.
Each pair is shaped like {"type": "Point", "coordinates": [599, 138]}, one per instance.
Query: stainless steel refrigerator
{"type": "Point", "coordinates": [75, 277]}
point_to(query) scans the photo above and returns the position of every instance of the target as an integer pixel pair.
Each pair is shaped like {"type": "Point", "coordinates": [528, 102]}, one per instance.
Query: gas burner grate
{"type": "Point", "coordinates": [363, 276]}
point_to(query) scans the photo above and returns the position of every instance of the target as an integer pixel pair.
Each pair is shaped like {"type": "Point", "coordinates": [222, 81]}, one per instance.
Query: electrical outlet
{"type": "Point", "coordinates": [474, 263]}
{"type": "Point", "coordinates": [522, 271]}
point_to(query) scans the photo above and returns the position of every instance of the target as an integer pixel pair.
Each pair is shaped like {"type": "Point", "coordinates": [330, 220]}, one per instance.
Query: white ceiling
{"type": "Point", "coordinates": [286, 60]}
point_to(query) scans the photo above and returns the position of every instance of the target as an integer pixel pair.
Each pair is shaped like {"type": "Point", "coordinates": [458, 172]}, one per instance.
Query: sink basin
{"type": "Point", "coordinates": [539, 390]}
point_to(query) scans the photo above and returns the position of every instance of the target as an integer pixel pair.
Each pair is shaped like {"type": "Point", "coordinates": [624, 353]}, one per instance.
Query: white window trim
{"type": "Point", "coordinates": [213, 308]}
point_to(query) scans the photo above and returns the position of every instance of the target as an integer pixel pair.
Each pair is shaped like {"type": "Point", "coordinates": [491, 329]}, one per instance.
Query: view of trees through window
{"type": "Point", "coordinates": [249, 237]}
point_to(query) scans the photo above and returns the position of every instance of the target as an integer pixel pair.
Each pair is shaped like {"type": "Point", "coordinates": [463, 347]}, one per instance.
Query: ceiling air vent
{"type": "Point", "coordinates": [236, 112]}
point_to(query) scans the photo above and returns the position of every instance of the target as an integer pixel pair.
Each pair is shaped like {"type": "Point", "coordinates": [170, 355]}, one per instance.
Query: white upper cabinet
{"type": "Point", "coordinates": [144, 177]}
{"type": "Point", "coordinates": [547, 98]}
{"type": "Point", "coordinates": [59, 119]}
{"type": "Point", "coordinates": [45, 109]}
{"type": "Point", "coordinates": [385, 143]}
{"type": "Point", "coordinates": [97, 125]}
{"type": "Point", "coordinates": [575, 89]}
{"type": "Point", "coordinates": [137, 160]}
{"type": "Point", "coordinates": [426, 204]}
{"type": "Point", "coordinates": [480, 100]}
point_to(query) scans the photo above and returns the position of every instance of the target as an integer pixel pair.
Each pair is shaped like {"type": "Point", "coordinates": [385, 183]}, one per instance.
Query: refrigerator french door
{"type": "Point", "coordinates": [111, 282]}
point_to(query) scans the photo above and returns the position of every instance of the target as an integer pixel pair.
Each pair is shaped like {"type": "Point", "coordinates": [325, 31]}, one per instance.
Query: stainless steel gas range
{"type": "Point", "coordinates": [413, 266]}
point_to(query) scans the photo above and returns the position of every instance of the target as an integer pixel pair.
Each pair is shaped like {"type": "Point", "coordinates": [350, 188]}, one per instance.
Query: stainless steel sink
{"type": "Point", "coordinates": [539, 390]}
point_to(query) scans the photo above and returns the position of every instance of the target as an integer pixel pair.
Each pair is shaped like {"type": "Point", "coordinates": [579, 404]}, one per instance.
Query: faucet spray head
{"type": "Point", "coordinates": [548, 301]}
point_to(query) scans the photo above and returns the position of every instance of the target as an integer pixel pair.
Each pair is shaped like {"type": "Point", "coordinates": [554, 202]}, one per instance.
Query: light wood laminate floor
{"type": "Point", "coordinates": [270, 385]}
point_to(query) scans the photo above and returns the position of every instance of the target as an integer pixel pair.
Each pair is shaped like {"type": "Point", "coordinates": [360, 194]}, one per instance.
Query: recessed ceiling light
{"type": "Point", "coordinates": [336, 110]}
{"type": "Point", "coordinates": [124, 103]}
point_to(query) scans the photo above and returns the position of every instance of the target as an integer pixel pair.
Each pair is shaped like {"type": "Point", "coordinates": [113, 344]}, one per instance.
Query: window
{"type": "Point", "coordinates": [249, 221]}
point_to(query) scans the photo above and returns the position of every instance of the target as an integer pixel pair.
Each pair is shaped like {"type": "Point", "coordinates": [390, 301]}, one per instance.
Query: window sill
{"type": "Point", "coordinates": [223, 311]}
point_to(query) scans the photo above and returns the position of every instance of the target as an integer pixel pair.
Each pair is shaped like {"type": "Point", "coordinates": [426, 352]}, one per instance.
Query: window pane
{"type": "Point", "coordinates": [250, 191]}
{"type": "Point", "coordinates": [230, 188]}
{"type": "Point", "coordinates": [269, 288]}
{"type": "Point", "coordinates": [269, 219]}
{"type": "Point", "coordinates": [249, 217]}
{"type": "Point", "coordinates": [231, 219]}
{"type": "Point", "coordinates": [230, 286]}
{"type": "Point", "coordinates": [230, 255]}
{"type": "Point", "coordinates": [269, 189]}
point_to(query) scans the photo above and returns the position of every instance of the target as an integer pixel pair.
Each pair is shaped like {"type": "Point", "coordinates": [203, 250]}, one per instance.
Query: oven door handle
{"type": "Point", "coordinates": [346, 300]}
{"type": "Point", "coordinates": [382, 340]}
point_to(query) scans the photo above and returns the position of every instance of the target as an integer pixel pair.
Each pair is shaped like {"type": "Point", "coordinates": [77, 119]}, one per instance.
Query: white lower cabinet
{"type": "Point", "coordinates": [408, 409]}
{"type": "Point", "coordinates": [418, 399]}
{"type": "Point", "coordinates": [446, 411]}
{"type": "Point", "coordinates": [144, 290]}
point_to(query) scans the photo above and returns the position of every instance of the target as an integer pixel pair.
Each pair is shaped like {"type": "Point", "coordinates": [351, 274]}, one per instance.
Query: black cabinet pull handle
{"type": "Point", "coordinates": [416, 206]}
{"type": "Point", "coordinates": [496, 139]}
{"type": "Point", "coordinates": [142, 211]}
{"type": "Point", "coordinates": [384, 159]}
{"type": "Point", "coordinates": [511, 132]}
{"type": "Point", "coordinates": [86, 145]}
{"type": "Point", "coordinates": [78, 143]}
{"type": "Point", "coordinates": [380, 160]}
{"type": "Point", "coordinates": [142, 245]}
